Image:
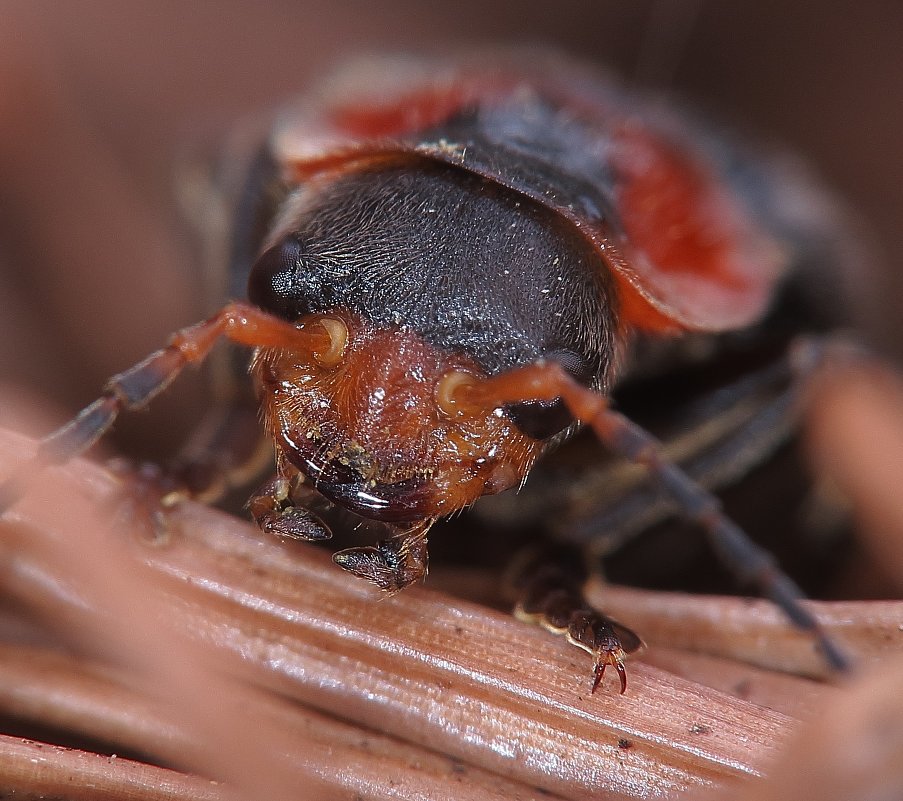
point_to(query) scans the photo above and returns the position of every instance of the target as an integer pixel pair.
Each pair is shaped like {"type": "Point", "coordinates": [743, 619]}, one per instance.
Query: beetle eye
{"type": "Point", "coordinates": [539, 419]}
{"type": "Point", "coordinates": [573, 363]}
{"type": "Point", "coordinates": [271, 285]}
{"type": "Point", "coordinates": [544, 419]}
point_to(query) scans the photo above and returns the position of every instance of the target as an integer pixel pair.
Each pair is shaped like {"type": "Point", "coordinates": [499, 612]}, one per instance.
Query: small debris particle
{"type": "Point", "coordinates": [624, 743]}
{"type": "Point", "coordinates": [699, 728]}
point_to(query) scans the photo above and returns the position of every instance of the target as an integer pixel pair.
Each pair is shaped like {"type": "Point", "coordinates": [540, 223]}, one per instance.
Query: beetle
{"type": "Point", "coordinates": [449, 265]}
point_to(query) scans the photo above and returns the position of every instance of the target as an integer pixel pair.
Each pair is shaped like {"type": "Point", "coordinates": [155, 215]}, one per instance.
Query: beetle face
{"type": "Point", "coordinates": [369, 424]}
{"type": "Point", "coordinates": [433, 275]}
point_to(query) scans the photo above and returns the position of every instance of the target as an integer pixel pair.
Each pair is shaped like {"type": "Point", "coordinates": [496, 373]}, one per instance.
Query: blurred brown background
{"type": "Point", "coordinates": [98, 99]}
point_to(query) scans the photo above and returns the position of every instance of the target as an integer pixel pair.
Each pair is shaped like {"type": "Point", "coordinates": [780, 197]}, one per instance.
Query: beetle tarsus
{"type": "Point", "coordinates": [603, 660]}
{"type": "Point", "coordinates": [275, 512]}
{"type": "Point", "coordinates": [601, 637]}
{"type": "Point", "coordinates": [392, 564]}
{"type": "Point", "coordinates": [749, 562]}
{"type": "Point", "coordinates": [550, 596]}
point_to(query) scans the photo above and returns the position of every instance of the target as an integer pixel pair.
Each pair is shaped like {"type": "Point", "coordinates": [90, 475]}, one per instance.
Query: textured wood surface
{"type": "Point", "coordinates": [225, 654]}
{"type": "Point", "coordinates": [215, 611]}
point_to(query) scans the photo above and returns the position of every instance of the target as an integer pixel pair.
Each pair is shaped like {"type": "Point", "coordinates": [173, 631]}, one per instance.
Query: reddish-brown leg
{"type": "Point", "coordinates": [749, 562]}
{"type": "Point", "coordinates": [137, 386]}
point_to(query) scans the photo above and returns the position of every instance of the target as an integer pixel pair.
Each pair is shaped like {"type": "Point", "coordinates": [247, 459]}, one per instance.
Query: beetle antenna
{"type": "Point", "coordinates": [546, 380]}
{"type": "Point", "coordinates": [140, 384]}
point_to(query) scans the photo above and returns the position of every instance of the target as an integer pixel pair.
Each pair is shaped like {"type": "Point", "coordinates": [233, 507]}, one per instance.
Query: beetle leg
{"type": "Point", "coordinates": [141, 383]}
{"type": "Point", "coordinates": [276, 510]}
{"type": "Point", "coordinates": [746, 560]}
{"type": "Point", "coordinates": [392, 564]}
{"type": "Point", "coordinates": [723, 436]}
{"type": "Point", "coordinates": [226, 451]}
{"type": "Point", "coordinates": [550, 596]}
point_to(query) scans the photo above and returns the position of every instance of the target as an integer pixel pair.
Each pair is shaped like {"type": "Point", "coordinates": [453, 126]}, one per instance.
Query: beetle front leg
{"type": "Point", "coordinates": [139, 385]}
{"type": "Point", "coordinates": [746, 560]}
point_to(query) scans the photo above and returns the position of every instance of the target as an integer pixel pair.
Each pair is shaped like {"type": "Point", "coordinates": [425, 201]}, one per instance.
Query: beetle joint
{"type": "Point", "coordinates": [454, 393]}
{"type": "Point", "coordinates": [337, 332]}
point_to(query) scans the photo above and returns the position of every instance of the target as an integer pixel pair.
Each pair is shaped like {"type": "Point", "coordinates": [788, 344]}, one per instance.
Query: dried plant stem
{"type": "Point", "coordinates": [31, 771]}
{"type": "Point", "coordinates": [60, 691]}
{"type": "Point", "coordinates": [452, 677]}
{"type": "Point", "coordinates": [754, 631]}
{"type": "Point", "coordinates": [852, 751]}
{"type": "Point", "coordinates": [792, 695]}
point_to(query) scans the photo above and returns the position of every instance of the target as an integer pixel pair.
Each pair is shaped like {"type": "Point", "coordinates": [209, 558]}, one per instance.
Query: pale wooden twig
{"type": "Point", "coordinates": [795, 696]}
{"type": "Point", "coordinates": [754, 630]}
{"type": "Point", "coordinates": [454, 677]}
{"type": "Point", "coordinates": [32, 771]}
{"type": "Point", "coordinates": [852, 751]}
{"type": "Point", "coordinates": [64, 692]}
{"type": "Point", "coordinates": [792, 695]}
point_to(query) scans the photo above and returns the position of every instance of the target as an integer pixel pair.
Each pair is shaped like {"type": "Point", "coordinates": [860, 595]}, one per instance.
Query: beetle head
{"type": "Point", "coordinates": [371, 421]}
{"type": "Point", "coordinates": [430, 277]}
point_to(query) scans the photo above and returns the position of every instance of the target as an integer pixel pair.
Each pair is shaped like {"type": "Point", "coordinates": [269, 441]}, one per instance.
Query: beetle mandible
{"type": "Point", "coordinates": [447, 265]}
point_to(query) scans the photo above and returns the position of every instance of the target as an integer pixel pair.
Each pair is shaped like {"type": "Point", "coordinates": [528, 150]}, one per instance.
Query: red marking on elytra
{"type": "Point", "coordinates": [694, 249]}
